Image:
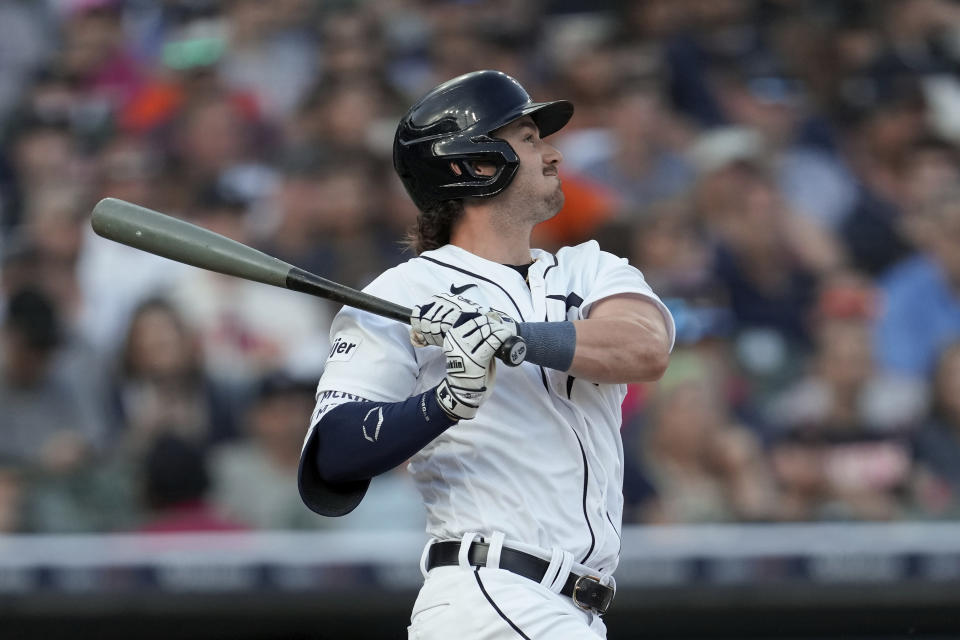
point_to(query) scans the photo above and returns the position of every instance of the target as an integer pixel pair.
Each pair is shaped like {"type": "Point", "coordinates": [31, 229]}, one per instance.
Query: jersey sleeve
{"type": "Point", "coordinates": [606, 275]}
{"type": "Point", "coordinates": [370, 356]}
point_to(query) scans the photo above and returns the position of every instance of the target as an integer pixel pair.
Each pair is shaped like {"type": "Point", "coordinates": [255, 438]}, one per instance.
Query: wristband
{"type": "Point", "coordinates": [549, 344]}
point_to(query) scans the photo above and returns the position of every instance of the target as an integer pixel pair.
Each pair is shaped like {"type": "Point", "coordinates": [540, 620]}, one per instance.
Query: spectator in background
{"type": "Point", "coordinates": [25, 29]}
{"type": "Point", "coordinates": [696, 40]}
{"type": "Point", "coordinates": [261, 41]}
{"type": "Point", "coordinates": [254, 480]}
{"type": "Point", "coordinates": [931, 166]}
{"type": "Point", "coordinates": [345, 113]}
{"type": "Point", "coordinates": [47, 421]}
{"type": "Point", "coordinates": [392, 503]}
{"type": "Point", "coordinates": [12, 488]}
{"type": "Point", "coordinates": [19, 265]}
{"type": "Point", "coordinates": [815, 183]}
{"type": "Point", "coordinates": [48, 102]}
{"type": "Point", "coordinates": [175, 483]}
{"type": "Point", "coordinates": [114, 278]}
{"type": "Point", "coordinates": [669, 247]}
{"type": "Point", "coordinates": [351, 42]}
{"type": "Point", "coordinates": [161, 385]}
{"type": "Point", "coordinates": [54, 222]}
{"type": "Point", "coordinates": [937, 444]}
{"type": "Point", "coordinates": [41, 153]}
{"type": "Point", "coordinates": [842, 447]}
{"type": "Point", "coordinates": [247, 328]}
{"type": "Point", "coordinates": [921, 305]}
{"type": "Point", "coordinates": [95, 57]}
{"type": "Point", "coordinates": [881, 145]}
{"type": "Point", "coordinates": [620, 167]}
{"type": "Point", "coordinates": [915, 45]}
{"type": "Point", "coordinates": [214, 135]}
{"type": "Point", "coordinates": [703, 465]}
{"type": "Point", "coordinates": [766, 259]}
{"type": "Point", "coordinates": [639, 165]}
{"type": "Point", "coordinates": [323, 216]}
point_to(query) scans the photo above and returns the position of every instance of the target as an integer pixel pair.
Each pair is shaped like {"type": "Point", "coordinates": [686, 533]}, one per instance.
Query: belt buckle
{"type": "Point", "coordinates": [600, 607]}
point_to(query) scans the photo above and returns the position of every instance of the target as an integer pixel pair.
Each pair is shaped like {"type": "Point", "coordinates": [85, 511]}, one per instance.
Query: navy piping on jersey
{"type": "Point", "coordinates": [543, 375]}
{"type": "Point", "coordinates": [476, 574]}
{"type": "Point", "coordinates": [586, 474]}
{"type": "Point", "coordinates": [619, 539]}
{"type": "Point", "coordinates": [547, 270]}
{"type": "Point", "coordinates": [479, 277]}
{"type": "Point", "coordinates": [571, 300]}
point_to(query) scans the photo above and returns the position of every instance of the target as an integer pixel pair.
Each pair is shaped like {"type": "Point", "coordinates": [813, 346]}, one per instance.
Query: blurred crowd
{"type": "Point", "coordinates": [786, 174]}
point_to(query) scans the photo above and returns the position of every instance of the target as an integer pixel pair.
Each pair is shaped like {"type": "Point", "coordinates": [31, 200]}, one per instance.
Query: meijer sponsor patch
{"type": "Point", "coordinates": [343, 347]}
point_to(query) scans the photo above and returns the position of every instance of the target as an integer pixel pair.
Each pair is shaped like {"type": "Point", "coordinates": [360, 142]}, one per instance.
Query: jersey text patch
{"type": "Point", "coordinates": [343, 347]}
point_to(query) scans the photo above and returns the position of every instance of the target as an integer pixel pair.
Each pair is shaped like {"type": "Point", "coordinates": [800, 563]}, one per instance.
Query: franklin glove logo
{"type": "Point", "coordinates": [455, 365]}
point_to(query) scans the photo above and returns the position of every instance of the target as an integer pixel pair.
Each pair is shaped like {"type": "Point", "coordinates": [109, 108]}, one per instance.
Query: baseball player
{"type": "Point", "coordinates": [520, 468]}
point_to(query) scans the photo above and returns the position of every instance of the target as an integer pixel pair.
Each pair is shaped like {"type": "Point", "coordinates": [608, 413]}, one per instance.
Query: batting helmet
{"type": "Point", "coordinates": [452, 123]}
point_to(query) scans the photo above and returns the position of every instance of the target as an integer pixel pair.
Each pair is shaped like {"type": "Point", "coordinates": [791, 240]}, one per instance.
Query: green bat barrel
{"type": "Point", "coordinates": [176, 239]}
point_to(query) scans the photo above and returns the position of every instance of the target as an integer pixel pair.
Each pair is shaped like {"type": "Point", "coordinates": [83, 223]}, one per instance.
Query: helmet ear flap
{"type": "Point", "coordinates": [465, 153]}
{"type": "Point", "coordinates": [469, 167]}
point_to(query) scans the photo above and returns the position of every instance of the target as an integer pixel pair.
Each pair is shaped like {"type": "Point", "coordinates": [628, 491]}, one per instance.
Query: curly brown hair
{"type": "Point", "coordinates": [433, 226]}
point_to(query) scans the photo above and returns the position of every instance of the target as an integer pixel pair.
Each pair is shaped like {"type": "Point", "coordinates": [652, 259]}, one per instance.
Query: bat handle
{"type": "Point", "coordinates": [513, 351]}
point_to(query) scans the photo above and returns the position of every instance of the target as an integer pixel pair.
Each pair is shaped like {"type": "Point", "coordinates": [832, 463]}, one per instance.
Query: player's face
{"type": "Point", "coordinates": [534, 194]}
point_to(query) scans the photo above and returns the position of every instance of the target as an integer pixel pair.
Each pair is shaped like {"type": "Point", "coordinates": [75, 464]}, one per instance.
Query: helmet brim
{"type": "Point", "coordinates": [549, 117]}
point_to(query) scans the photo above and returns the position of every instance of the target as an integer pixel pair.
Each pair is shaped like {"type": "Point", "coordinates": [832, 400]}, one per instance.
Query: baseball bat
{"type": "Point", "coordinates": [178, 240]}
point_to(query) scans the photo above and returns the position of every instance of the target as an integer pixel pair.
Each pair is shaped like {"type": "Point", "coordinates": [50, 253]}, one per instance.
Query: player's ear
{"type": "Point", "coordinates": [480, 169]}
{"type": "Point", "coordinates": [484, 169]}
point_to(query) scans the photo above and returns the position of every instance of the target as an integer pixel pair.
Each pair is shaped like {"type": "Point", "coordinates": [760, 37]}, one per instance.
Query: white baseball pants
{"type": "Point", "coordinates": [493, 604]}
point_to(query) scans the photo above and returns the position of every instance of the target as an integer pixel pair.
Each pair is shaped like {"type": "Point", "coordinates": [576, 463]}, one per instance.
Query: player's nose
{"type": "Point", "coordinates": [551, 155]}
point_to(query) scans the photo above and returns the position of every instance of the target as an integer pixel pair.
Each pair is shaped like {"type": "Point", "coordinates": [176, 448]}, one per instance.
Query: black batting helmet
{"type": "Point", "coordinates": [452, 123]}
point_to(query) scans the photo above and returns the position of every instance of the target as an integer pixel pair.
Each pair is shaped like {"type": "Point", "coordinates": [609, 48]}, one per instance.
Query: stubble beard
{"type": "Point", "coordinates": [528, 209]}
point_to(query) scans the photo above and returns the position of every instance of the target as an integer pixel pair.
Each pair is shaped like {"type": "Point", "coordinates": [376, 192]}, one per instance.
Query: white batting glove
{"type": "Point", "coordinates": [469, 347]}
{"type": "Point", "coordinates": [431, 320]}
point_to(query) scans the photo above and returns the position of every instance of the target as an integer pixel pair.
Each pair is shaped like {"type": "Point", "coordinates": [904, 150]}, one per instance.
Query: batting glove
{"type": "Point", "coordinates": [469, 346]}
{"type": "Point", "coordinates": [430, 321]}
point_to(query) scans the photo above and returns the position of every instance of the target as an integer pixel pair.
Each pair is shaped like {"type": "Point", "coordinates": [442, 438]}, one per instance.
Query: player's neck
{"type": "Point", "coordinates": [474, 233]}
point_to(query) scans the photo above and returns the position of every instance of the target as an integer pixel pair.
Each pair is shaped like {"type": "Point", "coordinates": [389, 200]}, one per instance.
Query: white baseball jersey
{"type": "Point", "coordinates": [542, 461]}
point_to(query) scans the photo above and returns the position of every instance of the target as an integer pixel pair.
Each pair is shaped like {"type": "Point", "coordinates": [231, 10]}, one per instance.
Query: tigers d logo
{"type": "Point", "coordinates": [378, 411]}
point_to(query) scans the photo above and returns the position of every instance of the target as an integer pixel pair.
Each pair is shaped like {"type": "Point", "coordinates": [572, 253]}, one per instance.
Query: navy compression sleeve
{"type": "Point", "coordinates": [359, 440]}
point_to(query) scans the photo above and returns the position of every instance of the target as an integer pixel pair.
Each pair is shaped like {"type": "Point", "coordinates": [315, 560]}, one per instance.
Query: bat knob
{"type": "Point", "coordinates": [513, 351]}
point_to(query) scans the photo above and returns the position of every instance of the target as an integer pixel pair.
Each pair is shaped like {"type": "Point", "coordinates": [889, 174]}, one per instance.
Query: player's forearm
{"type": "Point", "coordinates": [619, 350]}
{"type": "Point", "coordinates": [359, 440]}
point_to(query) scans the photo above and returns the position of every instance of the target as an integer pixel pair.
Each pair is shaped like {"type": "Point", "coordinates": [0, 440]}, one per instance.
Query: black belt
{"type": "Point", "coordinates": [586, 591]}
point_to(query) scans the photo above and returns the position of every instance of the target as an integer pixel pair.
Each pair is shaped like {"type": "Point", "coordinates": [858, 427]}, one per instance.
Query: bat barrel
{"type": "Point", "coordinates": [178, 240]}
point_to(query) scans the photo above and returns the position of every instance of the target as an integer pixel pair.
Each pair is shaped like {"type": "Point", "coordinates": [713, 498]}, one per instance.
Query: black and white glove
{"type": "Point", "coordinates": [469, 346]}
{"type": "Point", "coordinates": [431, 320]}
